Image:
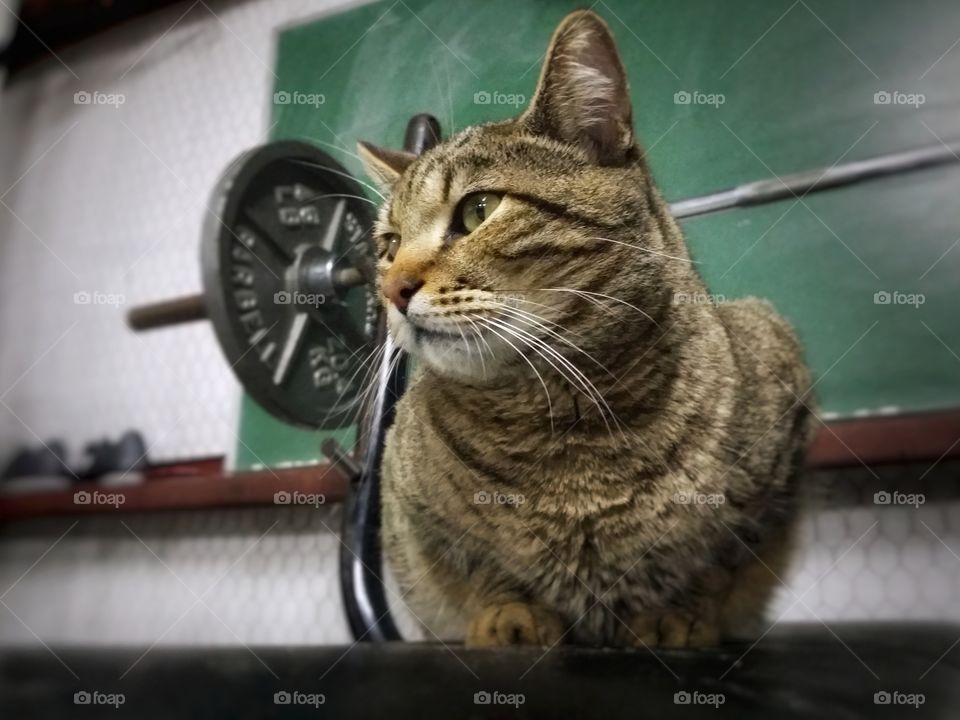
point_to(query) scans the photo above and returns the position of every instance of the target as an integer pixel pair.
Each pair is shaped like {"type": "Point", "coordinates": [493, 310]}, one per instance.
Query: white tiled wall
{"type": "Point", "coordinates": [863, 561]}
{"type": "Point", "coordinates": [225, 577]}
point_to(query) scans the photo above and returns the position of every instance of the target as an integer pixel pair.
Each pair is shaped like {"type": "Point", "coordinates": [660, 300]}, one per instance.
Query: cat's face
{"type": "Point", "coordinates": [528, 241]}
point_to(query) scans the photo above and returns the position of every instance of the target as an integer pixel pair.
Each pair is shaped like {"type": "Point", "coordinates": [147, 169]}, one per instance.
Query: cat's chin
{"type": "Point", "coordinates": [450, 357]}
{"type": "Point", "coordinates": [454, 365]}
{"type": "Point", "coordinates": [448, 354]}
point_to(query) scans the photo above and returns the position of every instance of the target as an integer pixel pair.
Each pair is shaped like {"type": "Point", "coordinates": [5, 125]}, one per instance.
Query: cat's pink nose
{"type": "Point", "coordinates": [400, 289]}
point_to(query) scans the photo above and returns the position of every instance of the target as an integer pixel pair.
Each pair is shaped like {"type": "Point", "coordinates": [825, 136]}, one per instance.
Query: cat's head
{"type": "Point", "coordinates": [530, 240]}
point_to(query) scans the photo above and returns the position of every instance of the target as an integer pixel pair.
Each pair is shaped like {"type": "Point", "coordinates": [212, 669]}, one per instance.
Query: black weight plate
{"type": "Point", "coordinates": [297, 349]}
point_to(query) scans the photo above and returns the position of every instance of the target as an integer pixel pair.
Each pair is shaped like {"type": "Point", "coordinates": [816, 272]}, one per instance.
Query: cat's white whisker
{"type": "Point", "coordinates": [370, 380]}
{"type": "Point", "coordinates": [527, 301]}
{"type": "Point", "coordinates": [586, 293]}
{"type": "Point", "coordinates": [349, 383]}
{"type": "Point", "coordinates": [466, 344]}
{"type": "Point", "coordinates": [538, 322]}
{"type": "Point", "coordinates": [335, 147]}
{"type": "Point", "coordinates": [343, 195]}
{"type": "Point", "coordinates": [532, 367]}
{"type": "Point", "coordinates": [583, 383]}
{"type": "Point", "coordinates": [567, 371]}
{"type": "Point", "coordinates": [367, 185]}
{"type": "Point", "coordinates": [643, 249]}
{"type": "Point", "coordinates": [572, 345]}
{"type": "Point", "coordinates": [478, 337]}
{"type": "Point", "coordinates": [593, 301]}
{"type": "Point", "coordinates": [573, 367]}
{"type": "Point", "coordinates": [539, 318]}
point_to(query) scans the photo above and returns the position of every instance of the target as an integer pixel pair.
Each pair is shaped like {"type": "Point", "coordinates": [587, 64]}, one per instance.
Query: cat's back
{"type": "Point", "coordinates": [765, 347]}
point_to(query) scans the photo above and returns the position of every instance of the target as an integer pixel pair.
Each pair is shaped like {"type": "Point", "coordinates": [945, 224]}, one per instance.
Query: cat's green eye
{"type": "Point", "coordinates": [392, 245]}
{"type": "Point", "coordinates": [476, 208]}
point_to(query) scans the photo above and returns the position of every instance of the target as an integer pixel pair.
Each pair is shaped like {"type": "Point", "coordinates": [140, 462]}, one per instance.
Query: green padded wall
{"type": "Point", "coordinates": [798, 81]}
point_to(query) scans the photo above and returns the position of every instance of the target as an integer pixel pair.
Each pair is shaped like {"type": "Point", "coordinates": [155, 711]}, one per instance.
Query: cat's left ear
{"type": "Point", "coordinates": [582, 97]}
{"type": "Point", "coordinates": [384, 166]}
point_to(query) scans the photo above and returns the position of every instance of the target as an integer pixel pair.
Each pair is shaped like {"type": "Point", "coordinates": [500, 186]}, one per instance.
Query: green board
{"type": "Point", "coordinates": [775, 86]}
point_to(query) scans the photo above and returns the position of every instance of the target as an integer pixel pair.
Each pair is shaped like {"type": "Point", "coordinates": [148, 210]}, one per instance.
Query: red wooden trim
{"type": "Point", "coordinates": [922, 437]}
{"type": "Point", "coordinates": [199, 466]}
{"type": "Point", "coordinates": [925, 437]}
{"type": "Point", "coordinates": [184, 492]}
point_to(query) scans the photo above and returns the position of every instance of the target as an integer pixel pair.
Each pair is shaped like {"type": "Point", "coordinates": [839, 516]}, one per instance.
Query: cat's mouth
{"type": "Point", "coordinates": [423, 334]}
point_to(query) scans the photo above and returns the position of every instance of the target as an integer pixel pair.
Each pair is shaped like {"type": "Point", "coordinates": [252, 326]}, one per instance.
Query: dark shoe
{"type": "Point", "coordinates": [44, 461]}
{"type": "Point", "coordinates": [127, 455]}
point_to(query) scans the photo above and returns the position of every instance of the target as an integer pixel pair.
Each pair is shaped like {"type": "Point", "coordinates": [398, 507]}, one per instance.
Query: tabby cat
{"type": "Point", "coordinates": [589, 451]}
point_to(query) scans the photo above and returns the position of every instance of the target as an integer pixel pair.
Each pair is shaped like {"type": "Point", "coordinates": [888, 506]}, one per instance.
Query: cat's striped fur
{"type": "Point", "coordinates": [589, 450]}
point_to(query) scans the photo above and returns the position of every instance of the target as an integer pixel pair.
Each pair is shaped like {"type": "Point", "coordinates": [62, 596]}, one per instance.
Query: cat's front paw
{"type": "Point", "coordinates": [674, 628]}
{"type": "Point", "coordinates": [514, 623]}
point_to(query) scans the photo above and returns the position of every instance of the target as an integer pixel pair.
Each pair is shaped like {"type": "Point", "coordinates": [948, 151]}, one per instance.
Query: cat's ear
{"type": "Point", "coordinates": [384, 166]}
{"type": "Point", "coordinates": [582, 97]}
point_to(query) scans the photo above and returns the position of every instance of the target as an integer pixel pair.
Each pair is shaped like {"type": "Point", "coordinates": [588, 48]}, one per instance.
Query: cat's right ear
{"type": "Point", "coordinates": [582, 97]}
{"type": "Point", "coordinates": [384, 166]}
